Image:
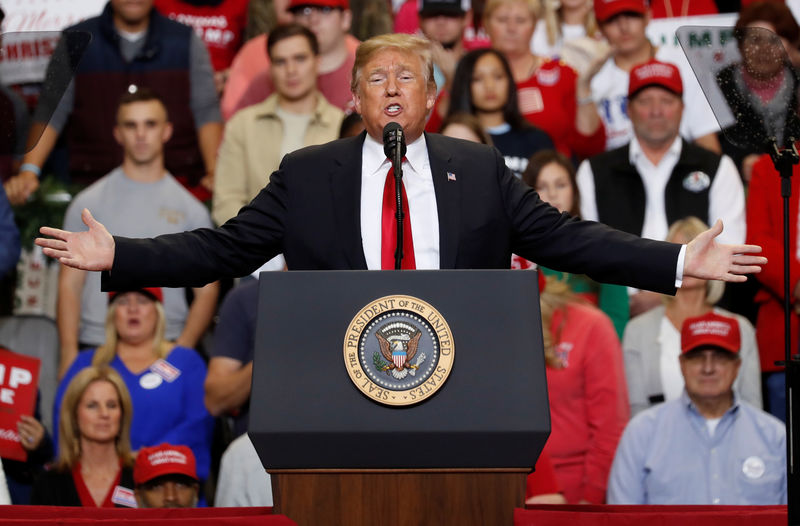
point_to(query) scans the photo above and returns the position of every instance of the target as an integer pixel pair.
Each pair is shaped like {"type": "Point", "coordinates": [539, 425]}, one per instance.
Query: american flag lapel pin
{"type": "Point", "coordinates": [451, 176]}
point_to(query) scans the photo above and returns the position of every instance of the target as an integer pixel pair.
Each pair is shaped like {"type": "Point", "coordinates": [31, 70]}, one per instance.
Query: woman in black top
{"type": "Point", "coordinates": [94, 465]}
{"type": "Point", "coordinates": [483, 86]}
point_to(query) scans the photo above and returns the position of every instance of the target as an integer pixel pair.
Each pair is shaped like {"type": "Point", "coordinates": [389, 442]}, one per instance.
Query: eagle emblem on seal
{"type": "Point", "coordinates": [398, 345]}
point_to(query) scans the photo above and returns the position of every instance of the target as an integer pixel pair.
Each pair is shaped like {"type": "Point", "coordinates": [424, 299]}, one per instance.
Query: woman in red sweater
{"type": "Point", "coordinates": [587, 389]}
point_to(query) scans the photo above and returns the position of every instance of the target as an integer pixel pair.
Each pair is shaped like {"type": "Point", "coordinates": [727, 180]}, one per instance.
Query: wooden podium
{"type": "Point", "coordinates": [337, 456]}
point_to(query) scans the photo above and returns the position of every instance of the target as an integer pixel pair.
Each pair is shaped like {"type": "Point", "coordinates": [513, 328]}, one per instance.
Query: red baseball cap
{"type": "Point", "coordinates": [710, 330]}
{"type": "Point", "coordinates": [605, 9]}
{"type": "Point", "coordinates": [163, 459]}
{"type": "Point", "coordinates": [154, 293]}
{"type": "Point", "coordinates": [341, 4]}
{"type": "Point", "coordinates": [655, 73]}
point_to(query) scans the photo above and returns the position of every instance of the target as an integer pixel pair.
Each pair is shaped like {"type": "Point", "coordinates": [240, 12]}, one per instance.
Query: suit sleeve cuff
{"type": "Point", "coordinates": [679, 269]}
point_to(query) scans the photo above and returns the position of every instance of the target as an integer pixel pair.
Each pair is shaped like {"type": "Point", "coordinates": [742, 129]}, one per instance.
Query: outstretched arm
{"type": "Point", "coordinates": [89, 250]}
{"type": "Point", "coordinates": [707, 259]}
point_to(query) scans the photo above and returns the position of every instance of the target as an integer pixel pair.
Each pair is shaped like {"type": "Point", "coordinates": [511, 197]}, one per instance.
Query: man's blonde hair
{"type": "Point", "coordinates": [409, 44]}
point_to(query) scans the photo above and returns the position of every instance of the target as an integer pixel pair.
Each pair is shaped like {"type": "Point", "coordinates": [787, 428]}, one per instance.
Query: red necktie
{"type": "Point", "coordinates": [389, 227]}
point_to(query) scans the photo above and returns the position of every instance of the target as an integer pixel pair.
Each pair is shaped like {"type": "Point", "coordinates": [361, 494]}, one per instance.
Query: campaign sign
{"type": "Point", "coordinates": [19, 381]}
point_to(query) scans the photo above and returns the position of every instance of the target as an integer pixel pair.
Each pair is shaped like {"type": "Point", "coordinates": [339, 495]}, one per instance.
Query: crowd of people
{"type": "Point", "coordinates": [181, 108]}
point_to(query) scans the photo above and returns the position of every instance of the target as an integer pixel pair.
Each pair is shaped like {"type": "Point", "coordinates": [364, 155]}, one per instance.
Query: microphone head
{"type": "Point", "coordinates": [393, 137]}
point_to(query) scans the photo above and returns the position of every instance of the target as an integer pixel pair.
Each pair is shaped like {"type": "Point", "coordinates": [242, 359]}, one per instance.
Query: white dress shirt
{"type": "Point", "coordinates": [418, 183]}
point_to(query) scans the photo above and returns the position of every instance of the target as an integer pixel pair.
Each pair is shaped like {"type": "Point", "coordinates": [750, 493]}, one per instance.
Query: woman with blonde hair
{"type": "Point", "coordinates": [94, 467]}
{"type": "Point", "coordinates": [652, 341]}
{"type": "Point", "coordinates": [586, 387]}
{"type": "Point", "coordinates": [551, 95]}
{"type": "Point", "coordinates": [563, 21]}
{"type": "Point", "coordinates": [165, 380]}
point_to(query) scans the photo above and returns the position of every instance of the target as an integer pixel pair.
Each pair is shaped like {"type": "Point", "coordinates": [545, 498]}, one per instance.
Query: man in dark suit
{"type": "Point", "coordinates": [322, 209]}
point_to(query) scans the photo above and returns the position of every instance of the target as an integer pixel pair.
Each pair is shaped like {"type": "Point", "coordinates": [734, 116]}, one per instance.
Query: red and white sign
{"type": "Point", "coordinates": [19, 381]}
{"type": "Point", "coordinates": [30, 31]}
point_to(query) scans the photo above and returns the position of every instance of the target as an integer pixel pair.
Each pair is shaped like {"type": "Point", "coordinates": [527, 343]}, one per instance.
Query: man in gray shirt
{"type": "Point", "coordinates": [137, 198]}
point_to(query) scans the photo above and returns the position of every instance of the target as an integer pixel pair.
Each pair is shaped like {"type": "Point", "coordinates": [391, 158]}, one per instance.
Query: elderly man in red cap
{"type": "Point", "coordinates": [659, 177]}
{"type": "Point", "coordinates": [165, 477]}
{"type": "Point", "coordinates": [708, 446]}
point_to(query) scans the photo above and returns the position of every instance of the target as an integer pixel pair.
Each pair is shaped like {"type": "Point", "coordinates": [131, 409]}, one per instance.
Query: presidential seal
{"type": "Point", "coordinates": [398, 350]}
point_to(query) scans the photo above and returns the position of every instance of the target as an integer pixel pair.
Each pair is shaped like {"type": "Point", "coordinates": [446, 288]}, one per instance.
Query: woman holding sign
{"type": "Point", "coordinates": [95, 465]}
{"type": "Point", "coordinates": [165, 380]}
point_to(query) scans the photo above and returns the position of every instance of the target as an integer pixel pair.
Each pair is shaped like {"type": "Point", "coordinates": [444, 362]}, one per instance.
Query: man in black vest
{"type": "Point", "coordinates": [658, 178]}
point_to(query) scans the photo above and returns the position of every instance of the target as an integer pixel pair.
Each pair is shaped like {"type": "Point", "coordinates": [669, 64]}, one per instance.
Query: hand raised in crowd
{"type": "Point", "coordinates": [20, 187]}
{"type": "Point", "coordinates": [707, 259]}
{"type": "Point", "coordinates": [31, 432]}
{"type": "Point", "coordinates": [88, 250]}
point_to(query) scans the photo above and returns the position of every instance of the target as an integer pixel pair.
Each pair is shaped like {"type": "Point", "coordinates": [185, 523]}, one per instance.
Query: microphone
{"type": "Point", "coordinates": [394, 139]}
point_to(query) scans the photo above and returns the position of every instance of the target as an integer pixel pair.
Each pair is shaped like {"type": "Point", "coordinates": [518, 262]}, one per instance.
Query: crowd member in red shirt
{"type": "Point", "coordinates": [587, 390]}
{"type": "Point", "coordinates": [551, 95]}
{"type": "Point", "coordinates": [219, 23]}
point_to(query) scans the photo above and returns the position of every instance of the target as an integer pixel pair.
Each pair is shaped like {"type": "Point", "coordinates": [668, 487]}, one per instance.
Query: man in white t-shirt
{"type": "Point", "coordinates": [623, 23]}
{"type": "Point", "coordinates": [138, 198]}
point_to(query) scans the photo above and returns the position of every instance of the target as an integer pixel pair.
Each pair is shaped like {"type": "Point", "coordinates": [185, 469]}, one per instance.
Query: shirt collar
{"type": "Point", "coordinates": [374, 159]}
{"type": "Point", "coordinates": [635, 152]}
{"type": "Point", "coordinates": [689, 405]}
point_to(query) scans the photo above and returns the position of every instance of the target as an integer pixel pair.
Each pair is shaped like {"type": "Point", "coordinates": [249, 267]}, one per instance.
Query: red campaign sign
{"type": "Point", "coordinates": [19, 381]}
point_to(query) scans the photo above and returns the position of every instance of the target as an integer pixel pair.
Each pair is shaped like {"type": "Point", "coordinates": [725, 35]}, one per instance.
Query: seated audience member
{"type": "Point", "coordinates": [552, 175]}
{"type": "Point", "coordinates": [624, 24]}
{"type": "Point", "coordinates": [708, 446]}
{"type": "Point", "coordinates": [551, 95]}
{"type": "Point", "coordinates": [94, 467]}
{"type": "Point", "coordinates": [463, 125]}
{"type": "Point", "coordinates": [138, 198]}
{"type": "Point", "coordinates": [230, 369]}
{"type": "Point", "coordinates": [131, 45]}
{"type": "Point", "coordinates": [588, 399]}
{"type": "Point", "coordinates": [219, 23]}
{"type": "Point", "coordinates": [658, 177]}
{"type": "Point", "coordinates": [652, 340]}
{"type": "Point", "coordinates": [242, 479]}
{"type": "Point", "coordinates": [352, 125]}
{"type": "Point", "coordinates": [294, 116]}
{"type": "Point", "coordinates": [329, 20]}
{"type": "Point", "coordinates": [761, 89]}
{"type": "Point", "coordinates": [483, 86]}
{"type": "Point", "coordinates": [165, 380]}
{"type": "Point", "coordinates": [9, 237]}
{"type": "Point", "coordinates": [563, 22]}
{"type": "Point", "coordinates": [165, 477]}
{"type": "Point", "coordinates": [19, 474]}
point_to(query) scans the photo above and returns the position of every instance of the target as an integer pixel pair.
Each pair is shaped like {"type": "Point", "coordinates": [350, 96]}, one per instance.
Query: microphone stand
{"type": "Point", "coordinates": [783, 160]}
{"type": "Point", "coordinates": [397, 163]}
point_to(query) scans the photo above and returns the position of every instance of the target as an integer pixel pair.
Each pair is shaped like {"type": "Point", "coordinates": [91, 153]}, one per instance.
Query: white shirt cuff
{"type": "Point", "coordinates": [679, 270]}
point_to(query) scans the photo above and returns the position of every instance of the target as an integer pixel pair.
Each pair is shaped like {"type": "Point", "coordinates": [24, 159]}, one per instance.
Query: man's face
{"type": "Point", "coordinates": [625, 32]}
{"type": "Point", "coordinates": [447, 30]}
{"type": "Point", "coordinates": [293, 68]}
{"type": "Point", "coordinates": [656, 115]}
{"type": "Point", "coordinates": [393, 88]}
{"type": "Point", "coordinates": [709, 373]}
{"type": "Point", "coordinates": [329, 25]}
{"type": "Point", "coordinates": [142, 129]}
{"type": "Point", "coordinates": [168, 491]}
{"type": "Point", "coordinates": [132, 11]}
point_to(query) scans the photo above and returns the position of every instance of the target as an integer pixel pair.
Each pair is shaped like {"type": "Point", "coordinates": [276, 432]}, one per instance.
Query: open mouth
{"type": "Point", "coordinates": [393, 110]}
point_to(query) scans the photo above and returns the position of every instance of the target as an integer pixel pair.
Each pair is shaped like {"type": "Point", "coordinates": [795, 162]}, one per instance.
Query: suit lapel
{"type": "Point", "coordinates": [345, 179]}
{"type": "Point", "coordinates": [448, 199]}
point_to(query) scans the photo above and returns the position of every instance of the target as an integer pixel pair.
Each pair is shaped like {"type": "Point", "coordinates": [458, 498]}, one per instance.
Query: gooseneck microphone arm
{"type": "Point", "coordinates": [394, 146]}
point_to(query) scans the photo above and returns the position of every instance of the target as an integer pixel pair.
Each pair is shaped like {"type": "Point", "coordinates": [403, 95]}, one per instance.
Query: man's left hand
{"type": "Point", "coordinates": [707, 259]}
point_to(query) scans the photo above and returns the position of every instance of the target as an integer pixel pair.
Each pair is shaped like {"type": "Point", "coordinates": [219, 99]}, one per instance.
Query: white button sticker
{"type": "Point", "coordinates": [753, 467]}
{"type": "Point", "coordinates": [150, 381]}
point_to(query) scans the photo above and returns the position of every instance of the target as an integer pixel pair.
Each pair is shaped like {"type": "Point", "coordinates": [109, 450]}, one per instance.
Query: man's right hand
{"type": "Point", "coordinates": [20, 187]}
{"type": "Point", "coordinates": [88, 250]}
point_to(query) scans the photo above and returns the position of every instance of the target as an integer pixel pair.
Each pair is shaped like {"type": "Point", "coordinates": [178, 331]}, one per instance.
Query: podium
{"type": "Point", "coordinates": [345, 450]}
